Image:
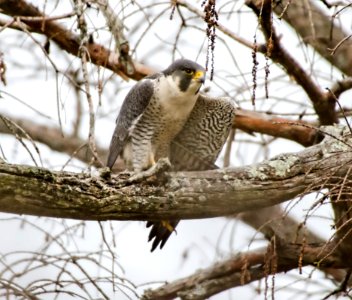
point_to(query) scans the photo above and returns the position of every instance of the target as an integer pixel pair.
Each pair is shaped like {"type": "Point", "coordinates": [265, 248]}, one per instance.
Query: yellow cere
{"type": "Point", "coordinates": [198, 74]}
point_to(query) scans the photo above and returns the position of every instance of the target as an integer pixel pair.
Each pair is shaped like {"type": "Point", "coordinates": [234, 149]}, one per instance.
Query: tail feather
{"type": "Point", "coordinates": [160, 233]}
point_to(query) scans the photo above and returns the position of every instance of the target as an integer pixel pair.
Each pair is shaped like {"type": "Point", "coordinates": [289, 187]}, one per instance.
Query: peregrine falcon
{"type": "Point", "coordinates": [153, 113]}
{"type": "Point", "coordinates": [196, 148]}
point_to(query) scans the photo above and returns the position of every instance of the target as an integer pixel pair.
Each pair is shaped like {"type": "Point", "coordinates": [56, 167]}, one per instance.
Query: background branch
{"type": "Point", "coordinates": [323, 103]}
{"type": "Point", "coordinates": [318, 30]}
{"type": "Point", "coordinates": [66, 40]}
{"type": "Point", "coordinates": [242, 269]}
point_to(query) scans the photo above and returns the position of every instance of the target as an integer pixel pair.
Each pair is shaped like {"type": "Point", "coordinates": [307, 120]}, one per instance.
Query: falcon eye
{"type": "Point", "coordinates": [189, 71]}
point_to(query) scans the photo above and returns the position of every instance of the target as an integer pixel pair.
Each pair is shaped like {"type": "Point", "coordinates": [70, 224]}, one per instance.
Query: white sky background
{"type": "Point", "coordinates": [199, 243]}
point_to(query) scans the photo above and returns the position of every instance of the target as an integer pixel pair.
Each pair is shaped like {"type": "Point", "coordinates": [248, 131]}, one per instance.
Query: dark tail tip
{"type": "Point", "coordinates": [159, 233]}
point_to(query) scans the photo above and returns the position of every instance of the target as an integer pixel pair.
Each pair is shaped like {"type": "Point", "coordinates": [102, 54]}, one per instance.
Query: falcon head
{"type": "Point", "coordinates": [188, 75]}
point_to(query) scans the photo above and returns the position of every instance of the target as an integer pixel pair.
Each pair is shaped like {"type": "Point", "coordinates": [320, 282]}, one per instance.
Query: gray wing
{"type": "Point", "coordinates": [133, 106]}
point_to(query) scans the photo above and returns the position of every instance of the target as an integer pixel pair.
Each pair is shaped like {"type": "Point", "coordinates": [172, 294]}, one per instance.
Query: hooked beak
{"type": "Point", "coordinates": [199, 76]}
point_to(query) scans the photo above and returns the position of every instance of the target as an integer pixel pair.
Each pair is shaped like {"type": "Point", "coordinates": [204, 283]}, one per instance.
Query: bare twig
{"type": "Point", "coordinates": [338, 45]}
{"type": "Point", "coordinates": [116, 28]}
{"type": "Point", "coordinates": [341, 109]}
{"type": "Point", "coordinates": [2, 69]}
{"type": "Point", "coordinates": [83, 54]}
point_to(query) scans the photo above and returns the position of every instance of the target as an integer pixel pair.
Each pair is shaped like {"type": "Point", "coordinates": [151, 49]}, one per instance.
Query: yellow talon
{"type": "Point", "coordinates": [167, 225]}
{"type": "Point", "coordinates": [151, 160]}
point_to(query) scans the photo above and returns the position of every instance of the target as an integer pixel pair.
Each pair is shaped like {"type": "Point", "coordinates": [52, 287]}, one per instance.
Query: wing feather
{"type": "Point", "coordinates": [133, 106]}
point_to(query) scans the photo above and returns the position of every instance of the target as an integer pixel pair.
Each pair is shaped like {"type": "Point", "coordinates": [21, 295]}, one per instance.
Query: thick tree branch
{"type": "Point", "coordinates": [341, 86]}
{"type": "Point", "coordinates": [187, 195]}
{"type": "Point", "coordinates": [340, 198]}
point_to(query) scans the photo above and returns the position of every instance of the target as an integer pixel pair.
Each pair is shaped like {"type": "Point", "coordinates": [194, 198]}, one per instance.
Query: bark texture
{"type": "Point", "coordinates": [185, 195]}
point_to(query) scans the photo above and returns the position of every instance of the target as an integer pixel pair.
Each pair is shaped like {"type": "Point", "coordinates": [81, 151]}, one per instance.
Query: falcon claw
{"type": "Point", "coordinates": [105, 173]}
{"type": "Point", "coordinates": [167, 225]}
{"type": "Point", "coordinates": [154, 174]}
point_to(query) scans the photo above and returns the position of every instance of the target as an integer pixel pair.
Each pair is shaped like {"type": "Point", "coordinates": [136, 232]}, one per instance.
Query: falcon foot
{"type": "Point", "coordinates": [167, 225]}
{"type": "Point", "coordinates": [105, 173]}
{"type": "Point", "coordinates": [155, 174]}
